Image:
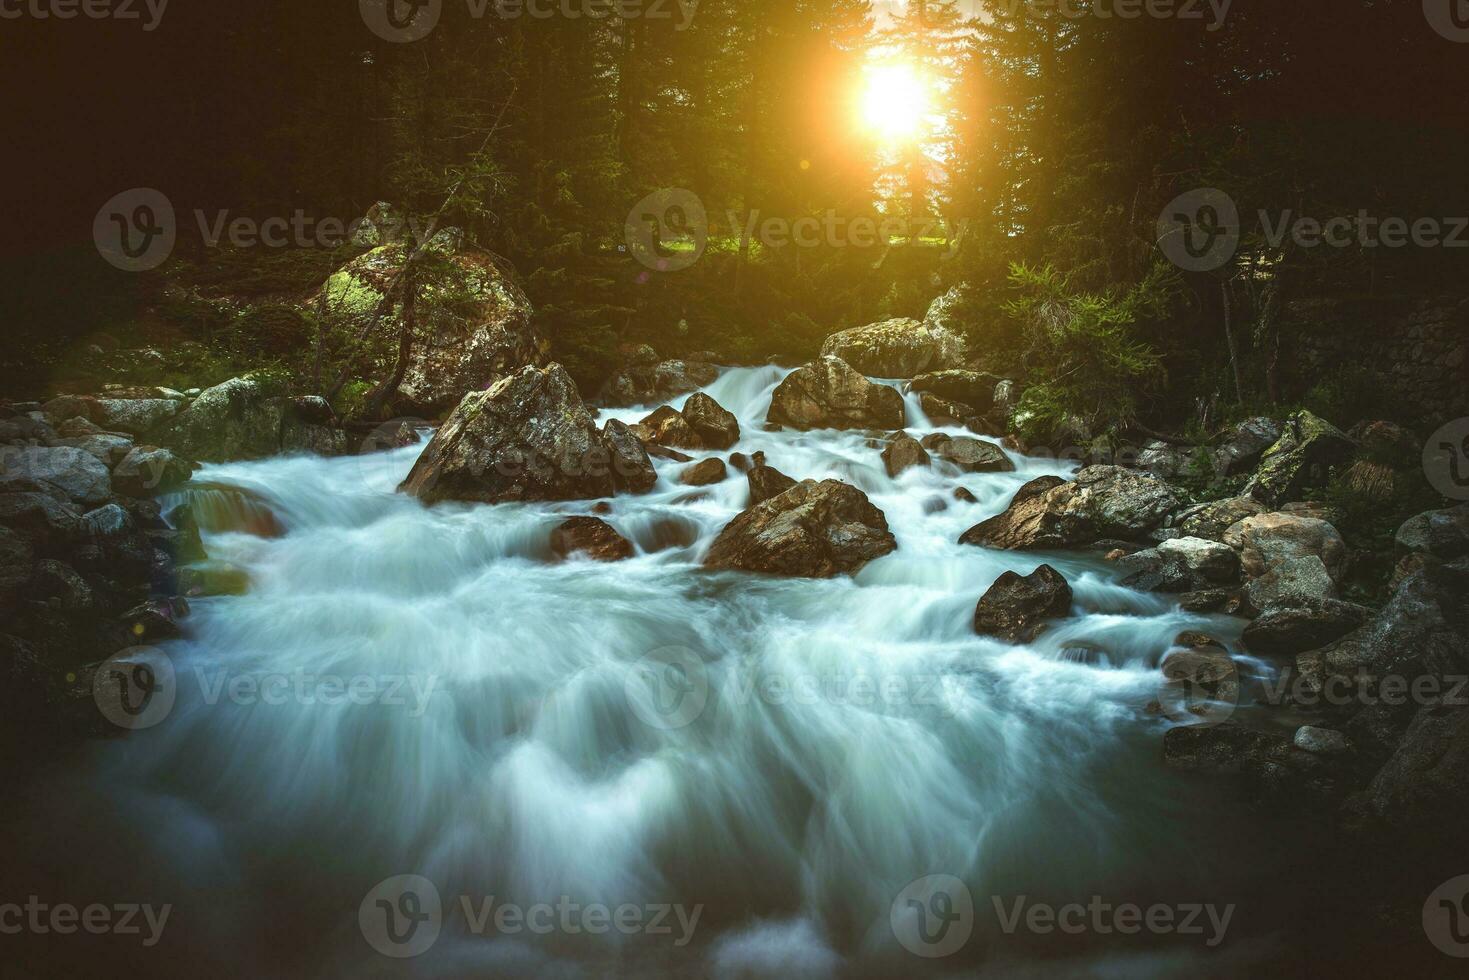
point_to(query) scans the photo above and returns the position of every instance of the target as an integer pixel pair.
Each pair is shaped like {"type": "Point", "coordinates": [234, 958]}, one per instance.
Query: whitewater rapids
{"type": "Point", "coordinates": [855, 735]}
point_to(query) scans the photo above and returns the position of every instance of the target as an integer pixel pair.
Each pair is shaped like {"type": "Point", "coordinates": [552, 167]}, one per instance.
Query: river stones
{"type": "Point", "coordinates": [1016, 607]}
{"type": "Point", "coordinates": [529, 437]}
{"type": "Point", "coordinates": [765, 481]}
{"type": "Point", "coordinates": [898, 348]}
{"type": "Point", "coordinates": [76, 473]}
{"type": "Point", "coordinates": [706, 472]}
{"type": "Point", "coordinates": [974, 389]}
{"type": "Point", "coordinates": [1444, 534]}
{"type": "Point", "coordinates": [592, 537]}
{"type": "Point", "coordinates": [830, 394]}
{"type": "Point", "coordinates": [1265, 540]}
{"type": "Point", "coordinates": [1102, 502]}
{"type": "Point", "coordinates": [812, 530]}
{"type": "Point", "coordinates": [1181, 565]}
{"type": "Point", "coordinates": [1241, 450]}
{"type": "Point", "coordinates": [148, 470]}
{"type": "Point", "coordinates": [632, 470]}
{"type": "Point", "coordinates": [667, 427]}
{"type": "Point", "coordinates": [715, 427]}
{"type": "Point", "coordinates": [1304, 625]}
{"type": "Point", "coordinates": [970, 455]}
{"type": "Point", "coordinates": [903, 452]}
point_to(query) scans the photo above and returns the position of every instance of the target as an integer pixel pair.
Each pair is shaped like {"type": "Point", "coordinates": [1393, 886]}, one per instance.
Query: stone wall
{"type": "Point", "coordinates": [1410, 351]}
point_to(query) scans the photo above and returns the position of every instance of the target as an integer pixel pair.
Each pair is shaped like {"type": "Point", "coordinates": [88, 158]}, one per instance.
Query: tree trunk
{"type": "Point", "coordinates": [1239, 383]}
{"type": "Point", "coordinates": [385, 392]}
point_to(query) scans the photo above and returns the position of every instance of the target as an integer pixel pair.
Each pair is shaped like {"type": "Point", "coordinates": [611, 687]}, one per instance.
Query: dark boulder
{"type": "Point", "coordinates": [592, 537]}
{"type": "Point", "coordinates": [813, 530]}
{"type": "Point", "coordinates": [1016, 607]}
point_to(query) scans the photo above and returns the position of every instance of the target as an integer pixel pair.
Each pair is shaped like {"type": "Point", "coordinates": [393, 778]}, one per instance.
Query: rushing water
{"type": "Point", "coordinates": [519, 733]}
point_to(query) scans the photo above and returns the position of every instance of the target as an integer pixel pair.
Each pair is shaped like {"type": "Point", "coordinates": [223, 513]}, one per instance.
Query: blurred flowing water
{"type": "Point", "coordinates": [787, 754]}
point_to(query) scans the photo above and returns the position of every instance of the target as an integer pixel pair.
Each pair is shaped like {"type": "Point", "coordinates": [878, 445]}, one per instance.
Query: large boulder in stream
{"type": "Point", "coordinates": [903, 452]}
{"type": "Point", "coordinates": [591, 537]}
{"type": "Point", "coordinates": [716, 427]}
{"type": "Point", "coordinates": [969, 454]}
{"type": "Point", "coordinates": [473, 323]}
{"type": "Point", "coordinates": [529, 437]}
{"type": "Point", "coordinates": [830, 394]}
{"type": "Point", "coordinates": [1016, 607]}
{"type": "Point", "coordinates": [899, 348]}
{"type": "Point", "coordinates": [813, 530]}
{"type": "Point", "coordinates": [1101, 502]}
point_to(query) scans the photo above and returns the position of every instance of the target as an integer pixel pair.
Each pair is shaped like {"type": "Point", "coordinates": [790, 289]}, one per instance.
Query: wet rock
{"type": "Point", "coordinates": [1212, 520]}
{"type": "Point", "coordinates": [903, 452]}
{"type": "Point", "coordinates": [239, 419]}
{"type": "Point", "coordinates": [1016, 607]}
{"type": "Point", "coordinates": [1266, 540]}
{"type": "Point", "coordinates": [59, 584]}
{"type": "Point", "coordinates": [963, 495]}
{"type": "Point", "coordinates": [632, 470]}
{"type": "Point", "coordinates": [972, 455]}
{"type": "Point", "coordinates": [898, 348]}
{"type": "Point", "coordinates": [704, 473]}
{"type": "Point", "coordinates": [1209, 600]}
{"type": "Point", "coordinates": [1286, 630]}
{"type": "Point", "coordinates": [829, 394]}
{"type": "Point", "coordinates": [766, 481]}
{"type": "Point", "coordinates": [1425, 783]}
{"type": "Point", "coordinates": [109, 449]}
{"type": "Point", "coordinates": [1181, 565]}
{"type": "Point", "coordinates": [1321, 741]}
{"type": "Point", "coordinates": [528, 438]}
{"type": "Point", "coordinates": [1295, 582]}
{"type": "Point", "coordinates": [663, 452]}
{"type": "Point", "coordinates": [156, 619]}
{"type": "Point", "coordinates": [739, 462]}
{"type": "Point", "coordinates": [1242, 448]}
{"type": "Point", "coordinates": [669, 428]}
{"type": "Point", "coordinates": [813, 530]}
{"type": "Point", "coordinates": [1444, 534]}
{"type": "Point", "coordinates": [672, 378]}
{"type": "Point", "coordinates": [592, 537]}
{"type": "Point", "coordinates": [148, 470]}
{"type": "Point", "coordinates": [715, 427]}
{"type": "Point", "coordinates": [1226, 748]}
{"type": "Point", "coordinates": [1103, 501]}
{"type": "Point", "coordinates": [78, 474]}
{"type": "Point", "coordinates": [1303, 456]}
{"type": "Point", "coordinates": [47, 521]}
{"type": "Point", "coordinates": [220, 508]}
{"type": "Point", "coordinates": [974, 389]}
{"type": "Point", "coordinates": [942, 412]}
{"type": "Point", "coordinates": [136, 417]}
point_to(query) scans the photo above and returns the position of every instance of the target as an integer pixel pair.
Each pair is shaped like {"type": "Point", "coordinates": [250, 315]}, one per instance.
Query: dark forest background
{"type": "Point", "coordinates": [1065, 138]}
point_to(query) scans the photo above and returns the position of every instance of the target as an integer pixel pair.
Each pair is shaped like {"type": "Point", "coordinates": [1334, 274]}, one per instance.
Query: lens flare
{"type": "Point", "coordinates": [895, 101]}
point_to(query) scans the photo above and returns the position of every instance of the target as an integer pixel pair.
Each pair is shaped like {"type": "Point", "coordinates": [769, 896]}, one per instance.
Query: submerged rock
{"type": "Point", "coordinates": [830, 394]}
{"type": "Point", "coordinates": [813, 530]}
{"type": "Point", "coordinates": [704, 473]}
{"type": "Point", "coordinates": [1015, 607]}
{"type": "Point", "coordinates": [970, 455]}
{"type": "Point", "coordinates": [590, 536]}
{"type": "Point", "coordinates": [903, 452]}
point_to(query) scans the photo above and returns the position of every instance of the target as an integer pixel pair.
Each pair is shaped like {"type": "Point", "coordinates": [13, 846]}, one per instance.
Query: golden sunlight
{"type": "Point", "coordinates": [895, 101]}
